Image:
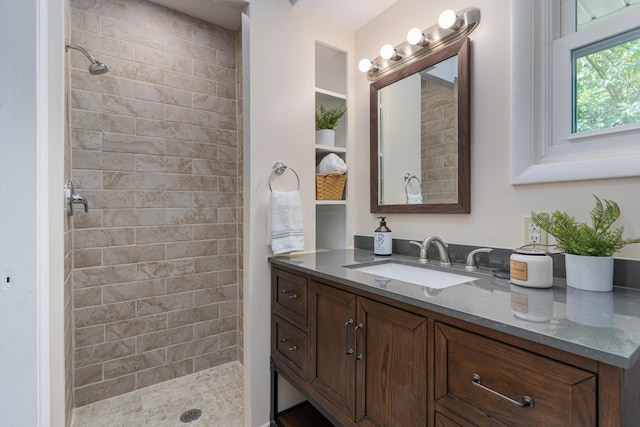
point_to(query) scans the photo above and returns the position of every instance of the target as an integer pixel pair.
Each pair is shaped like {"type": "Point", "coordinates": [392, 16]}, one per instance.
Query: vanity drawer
{"type": "Point", "coordinates": [289, 296]}
{"type": "Point", "coordinates": [478, 376]}
{"type": "Point", "coordinates": [290, 346]}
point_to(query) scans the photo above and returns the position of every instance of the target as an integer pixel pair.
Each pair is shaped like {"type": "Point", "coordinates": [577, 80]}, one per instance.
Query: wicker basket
{"type": "Point", "coordinates": [330, 186]}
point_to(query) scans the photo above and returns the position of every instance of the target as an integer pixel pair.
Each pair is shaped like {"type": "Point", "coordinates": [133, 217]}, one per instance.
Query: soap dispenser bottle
{"type": "Point", "coordinates": [382, 239]}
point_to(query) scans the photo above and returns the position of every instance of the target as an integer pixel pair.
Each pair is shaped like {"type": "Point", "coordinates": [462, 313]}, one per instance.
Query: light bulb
{"type": "Point", "coordinates": [387, 51]}
{"type": "Point", "coordinates": [449, 20]}
{"type": "Point", "coordinates": [365, 65]}
{"type": "Point", "coordinates": [414, 36]}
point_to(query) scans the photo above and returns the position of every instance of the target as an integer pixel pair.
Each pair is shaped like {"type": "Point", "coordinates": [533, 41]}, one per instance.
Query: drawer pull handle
{"type": "Point", "coordinates": [527, 402]}
{"type": "Point", "coordinates": [294, 348]}
{"type": "Point", "coordinates": [359, 356]}
{"type": "Point", "coordinates": [348, 350]}
{"type": "Point", "coordinates": [288, 294]}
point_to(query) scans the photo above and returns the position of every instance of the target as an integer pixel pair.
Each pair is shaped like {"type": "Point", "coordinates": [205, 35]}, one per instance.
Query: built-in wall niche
{"type": "Point", "coordinates": [331, 91]}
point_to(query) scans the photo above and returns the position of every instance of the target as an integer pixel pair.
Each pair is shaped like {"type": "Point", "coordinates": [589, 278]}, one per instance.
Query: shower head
{"type": "Point", "coordinates": [96, 66]}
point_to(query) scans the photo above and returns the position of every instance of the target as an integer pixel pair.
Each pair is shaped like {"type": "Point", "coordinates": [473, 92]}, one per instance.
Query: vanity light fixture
{"type": "Point", "coordinates": [450, 28]}
{"type": "Point", "coordinates": [415, 36]}
{"type": "Point", "coordinates": [449, 20]}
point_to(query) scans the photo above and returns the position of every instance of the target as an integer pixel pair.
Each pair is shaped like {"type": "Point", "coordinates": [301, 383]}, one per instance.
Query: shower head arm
{"type": "Point", "coordinates": [68, 46]}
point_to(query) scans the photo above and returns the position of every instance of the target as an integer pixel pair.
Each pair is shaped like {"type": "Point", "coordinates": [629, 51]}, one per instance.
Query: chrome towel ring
{"type": "Point", "coordinates": [279, 168]}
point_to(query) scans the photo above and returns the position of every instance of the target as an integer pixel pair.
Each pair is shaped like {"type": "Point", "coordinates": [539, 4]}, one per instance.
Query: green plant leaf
{"type": "Point", "coordinates": [578, 238]}
{"type": "Point", "coordinates": [328, 119]}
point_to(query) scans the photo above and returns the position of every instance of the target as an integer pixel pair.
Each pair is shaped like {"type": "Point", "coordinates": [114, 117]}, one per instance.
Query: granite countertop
{"type": "Point", "coordinates": [600, 326]}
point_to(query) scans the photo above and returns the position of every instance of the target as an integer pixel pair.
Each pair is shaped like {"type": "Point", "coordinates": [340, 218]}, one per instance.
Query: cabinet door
{"type": "Point", "coordinates": [392, 373]}
{"type": "Point", "coordinates": [332, 317]}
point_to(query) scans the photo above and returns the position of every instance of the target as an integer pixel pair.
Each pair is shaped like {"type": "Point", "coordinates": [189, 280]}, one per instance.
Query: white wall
{"type": "Point", "coordinates": [497, 207]}
{"type": "Point", "coordinates": [281, 128]}
{"type": "Point", "coordinates": [31, 127]}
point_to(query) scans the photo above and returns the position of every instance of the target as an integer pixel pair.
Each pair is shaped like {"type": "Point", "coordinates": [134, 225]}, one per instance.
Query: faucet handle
{"type": "Point", "coordinates": [423, 251]}
{"type": "Point", "coordinates": [470, 265]}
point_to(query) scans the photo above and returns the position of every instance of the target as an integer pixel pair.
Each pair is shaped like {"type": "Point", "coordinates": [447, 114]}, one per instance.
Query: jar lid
{"type": "Point", "coordinates": [530, 251]}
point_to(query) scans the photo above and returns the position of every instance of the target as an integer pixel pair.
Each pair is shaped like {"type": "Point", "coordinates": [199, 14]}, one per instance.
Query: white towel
{"type": "Point", "coordinates": [284, 225]}
{"type": "Point", "coordinates": [414, 199]}
{"type": "Point", "coordinates": [332, 163]}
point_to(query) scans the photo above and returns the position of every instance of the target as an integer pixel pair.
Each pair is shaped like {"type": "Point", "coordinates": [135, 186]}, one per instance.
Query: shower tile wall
{"type": "Point", "coordinates": [240, 197]}
{"type": "Point", "coordinates": [155, 152]}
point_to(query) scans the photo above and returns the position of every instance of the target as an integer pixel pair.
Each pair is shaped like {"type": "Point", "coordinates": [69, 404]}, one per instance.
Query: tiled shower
{"type": "Point", "coordinates": [154, 268]}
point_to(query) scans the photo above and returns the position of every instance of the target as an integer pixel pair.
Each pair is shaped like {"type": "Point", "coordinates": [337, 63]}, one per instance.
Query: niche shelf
{"type": "Point", "coordinates": [331, 91]}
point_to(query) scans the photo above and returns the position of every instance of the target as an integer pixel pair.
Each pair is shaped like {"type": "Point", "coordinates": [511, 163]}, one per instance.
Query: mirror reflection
{"type": "Point", "coordinates": [419, 136]}
{"type": "Point", "coordinates": [418, 145]}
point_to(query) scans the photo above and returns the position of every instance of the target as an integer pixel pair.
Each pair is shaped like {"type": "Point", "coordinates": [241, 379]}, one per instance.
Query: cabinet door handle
{"type": "Point", "coordinates": [288, 294]}
{"type": "Point", "coordinates": [527, 402]}
{"type": "Point", "coordinates": [348, 350]}
{"type": "Point", "coordinates": [294, 348]}
{"type": "Point", "coordinates": [359, 356]}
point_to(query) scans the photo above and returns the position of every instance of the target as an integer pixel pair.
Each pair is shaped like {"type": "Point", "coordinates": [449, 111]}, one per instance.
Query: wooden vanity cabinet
{"type": "Point", "coordinates": [365, 360]}
{"type": "Point", "coordinates": [491, 383]}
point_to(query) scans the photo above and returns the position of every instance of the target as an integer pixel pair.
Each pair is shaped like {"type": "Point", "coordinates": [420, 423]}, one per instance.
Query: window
{"type": "Point", "coordinates": [576, 90]}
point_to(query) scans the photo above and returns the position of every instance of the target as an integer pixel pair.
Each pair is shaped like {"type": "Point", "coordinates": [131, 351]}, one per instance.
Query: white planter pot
{"type": "Point", "coordinates": [589, 273]}
{"type": "Point", "coordinates": [326, 137]}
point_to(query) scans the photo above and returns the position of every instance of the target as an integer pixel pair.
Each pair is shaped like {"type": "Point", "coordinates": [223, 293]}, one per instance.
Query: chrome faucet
{"type": "Point", "coordinates": [471, 265]}
{"type": "Point", "coordinates": [442, 250]}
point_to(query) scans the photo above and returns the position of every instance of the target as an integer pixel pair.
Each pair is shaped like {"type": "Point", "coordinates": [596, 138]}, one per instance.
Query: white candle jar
{"type": "Point", "coordinates": [531, 267]}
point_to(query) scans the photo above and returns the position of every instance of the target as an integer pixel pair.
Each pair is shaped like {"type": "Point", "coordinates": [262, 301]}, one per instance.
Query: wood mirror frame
{"type": "Point", "coordinates": [463, 205]}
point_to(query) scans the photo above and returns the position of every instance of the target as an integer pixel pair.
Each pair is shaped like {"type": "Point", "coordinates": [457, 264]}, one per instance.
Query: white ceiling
{"type": "Point", "coordinates": [350, 14]}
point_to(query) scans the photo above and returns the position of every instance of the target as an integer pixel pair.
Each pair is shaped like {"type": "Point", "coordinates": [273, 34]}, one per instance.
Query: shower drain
{"type": "Point", "coordinates": [190, 415]}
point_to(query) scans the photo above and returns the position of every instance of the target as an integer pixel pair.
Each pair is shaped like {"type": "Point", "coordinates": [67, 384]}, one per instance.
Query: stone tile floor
{"type": "Point", "coordinates": [217, 392]}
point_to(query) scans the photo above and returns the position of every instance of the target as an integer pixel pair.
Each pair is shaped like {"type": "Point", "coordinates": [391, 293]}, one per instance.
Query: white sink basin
{"type": "Point", "coordinates": [419, 276]}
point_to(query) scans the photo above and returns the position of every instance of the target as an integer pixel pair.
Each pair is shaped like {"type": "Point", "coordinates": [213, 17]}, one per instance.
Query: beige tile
{"type": "Point", "coordinates": [161, 164]}
{"type": "Point", "coordinates": [132, 107]}
{"type": "Point", "coordinates": [133, 291]}
{"type": "Point", "coordinates": [131, 33]}
{"type": "Point", "coordinates": [214, 103]}
{"type": "Point", "coordinates": [87, 179]}
{"type": "Point", "coordinates": [179, 267]}
{"type": "Point", "coordinates": [192, 282]}
{"type": "Point", "coordinates": [215, 167]}
{"type": "Point", "coordinates": [103, 352]}
{"type": "Point", "coordinates": [214, 72]}
{"type": "Point", "coordinates": [131, 254]}
{"type": "Point", "coordinates": [213, 295]}
{"type": "Point", "coordinates": [191, 183]}
{"type": "Point", "coordinates": [87, 258]}
{"type": "Point", "coordinates": [172, 130]}
{"type": "Point", "coordinates": [135, 363]}
{"type": "Point", "coordinates": [133, 181]}
{"type": "Point", "coordinates": [86, 159]}
{"type": "Point", "coordinates": [133, 217]}
{"type": "Point", "coordinates": [94, 238]}
{"type": "Point", "coordinates": [97, 276]}
{"type": "Point", "coordinates": [86, 139]}
{"type": "Point", "coordinates": [87, 297]}
{"type": "Point", "coordinates": [192, 348]}
{"type": "Point", "coordinates": [90, 335]}
{"type": "Point", "coordinates": [164, 95]}
{"type": "Point", "coordinates": [191, 149]}
{"type": "Point", "coordinates": [215, 231]}
{"type": "Point", "coordinates": [217, 358]}
{"type": "Point", "coordinates": [165, 303]}
{"type": "Point", "coordinates": [193, 315]}
{"type": "Point", "coordinates": [216, 263]}
{"type": "Point", "coordinates": [191, 116]}
{"type": "Point", "coordinates": [215, 200]}
{"type": "Point", "coordinates": [135, 327]}
{"type": "Point", "coordinates": [191, 216]}
{"type": "Point", "coordinates": [175, 233]}
{"type": "Point", "coordinates": [214, 327]}
{"type": "Point", "coordinates": [191, 249]}
{"type": "Point", "coordinates": [163, 199]}
{"type": "Point", "coordinates": [85, 100]}
{"type": "Point", "coordinates": [102, 199]}
{"type": "Point", "coordinates": [87, 375]}
{"type": "Point", "coordinates": [164, 338]}
{"type": "Point", "coordinates": [104, 390]}
{"type": "Point", "coordinates": [97, 315]}
{"type": "Point", "coordinates": [164, 373]}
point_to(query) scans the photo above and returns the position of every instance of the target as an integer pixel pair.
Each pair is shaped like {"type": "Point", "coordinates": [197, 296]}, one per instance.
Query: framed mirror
{"type": "Point", "coordinates": [420, 144]}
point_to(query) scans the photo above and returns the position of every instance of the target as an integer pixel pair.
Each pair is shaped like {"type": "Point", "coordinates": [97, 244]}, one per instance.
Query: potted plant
{"type": "Point", "coordinates": [326, 122]}
{"type": "Point", "coordinates": [588, 249]}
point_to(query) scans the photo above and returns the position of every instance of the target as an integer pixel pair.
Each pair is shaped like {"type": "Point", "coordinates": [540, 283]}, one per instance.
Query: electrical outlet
{"type": "Point", "coordinates": [533, 234]}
